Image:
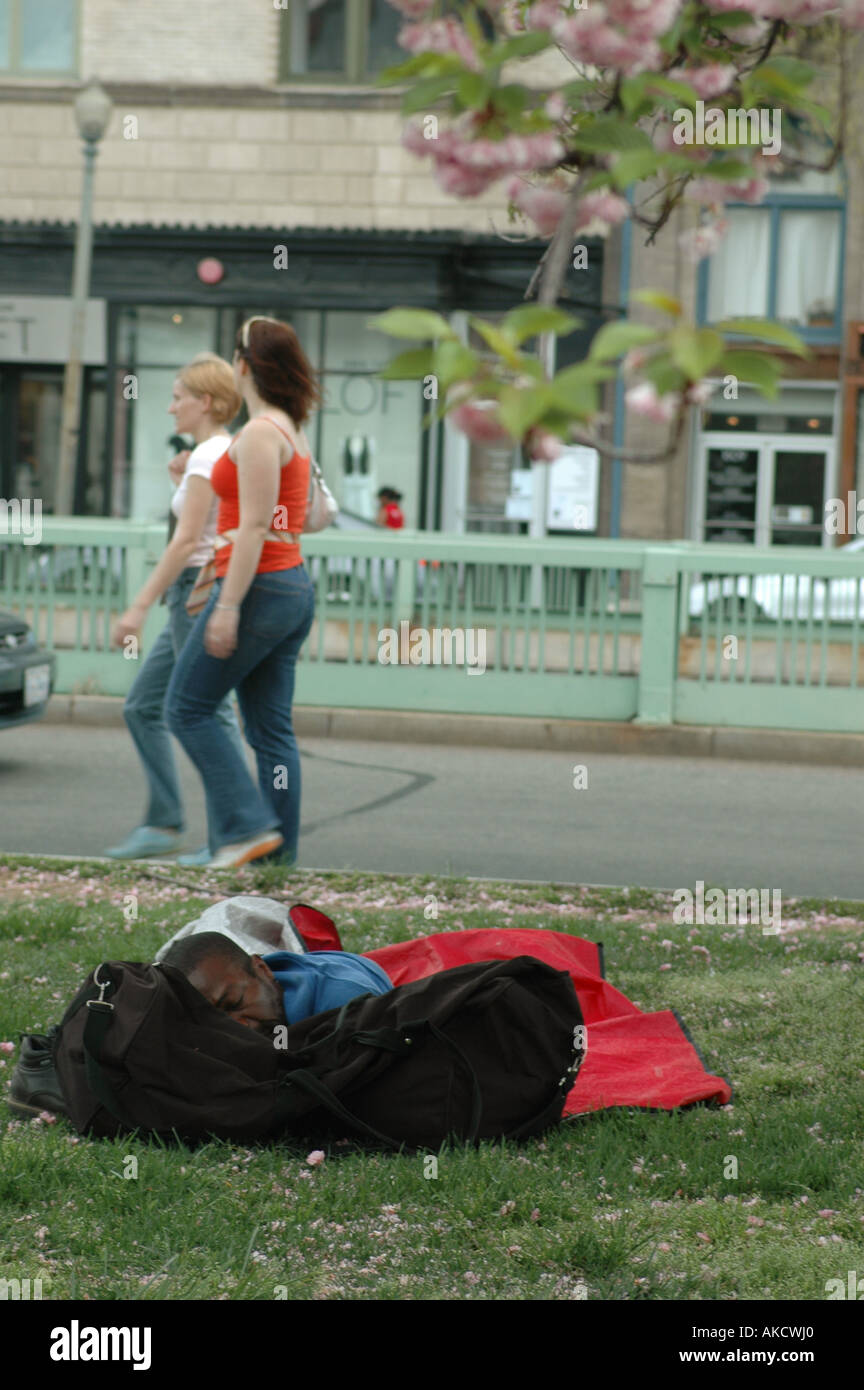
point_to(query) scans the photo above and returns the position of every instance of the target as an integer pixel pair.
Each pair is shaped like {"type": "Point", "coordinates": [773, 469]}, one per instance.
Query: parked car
{"type": "Point", "coordinates": [27, 672]}
{"type": "Point", "coordinates": [774, 594]}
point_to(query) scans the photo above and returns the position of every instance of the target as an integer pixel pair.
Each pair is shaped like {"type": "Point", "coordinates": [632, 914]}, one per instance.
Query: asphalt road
{"type": "Point", "coordinates": [514, 814]}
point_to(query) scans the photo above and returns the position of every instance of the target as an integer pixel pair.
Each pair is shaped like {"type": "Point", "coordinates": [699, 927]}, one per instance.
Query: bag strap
{"type": "Point", "coordinates": [386, 1040]}
{"type": "Point", "coordinates": [228, 537]}
{"type": "Point", "coordinates": [100, 1016]}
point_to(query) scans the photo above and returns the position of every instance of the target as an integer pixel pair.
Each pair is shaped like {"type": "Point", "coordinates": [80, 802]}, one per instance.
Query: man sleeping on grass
{"type": "Point", "coordinates": [282, 987]}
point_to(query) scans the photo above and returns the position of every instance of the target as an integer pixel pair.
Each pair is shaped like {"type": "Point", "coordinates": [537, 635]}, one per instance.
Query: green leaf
{"type": "Point", "coordinates": [769, 330]}
{"type": "Point", "coordinates": [601, 179]}
{"type": "Point", "coordinates": [530, 319]}
{"type": "Point", "coordinates": [734, 20]}
{"type": "Point", "coordinates": [574, 389]}
{"type": "Point", "coordinates": [632, 92]}
{"type": "Point", "coordinates": [420, 65]}
{"type": "Point", "coordinates": [473, 89]}
{"type": "Point", "coordinates": [416, 362]}
{"type": "Point", "coordinates": [453, 361]}
{"type": "Point", "coordinates": [520, 409]}
{"type": "Point", "coordinates": [426, 93]}
{"type": "Point", "coordinates": [695, 350]}
{"type": "Point", "coordinates": [635, 165]}
{"type": "Point", "coordinates": [498, 340]}
{"type": "Point", "coordinates": [663, 374]}
{"type": "Point", "coordinates": [605, 134]}
{"type": "Point", "coordinates": [614, 339]}
{"type": "Point", "coordinates": [520, 46]}
{"type": "Point", "coordinates": [510, 99]}
{"type": "Point", "coordinates": [411, 323]}
{"type": "Point", "coordinates": [758, 367]}
{"type": "Point", "coordinates": [572, 92]}
{"type": "Point", "coordinates": [681, 91]}
{"type": "Point", "coordinates": [728, 169]}
{"type": "Point", "coordinates": [656, 299]}
{"type": "Point", "coordinates": [795, 69]}
{"type": "Point", "coordinates": [775, 84]}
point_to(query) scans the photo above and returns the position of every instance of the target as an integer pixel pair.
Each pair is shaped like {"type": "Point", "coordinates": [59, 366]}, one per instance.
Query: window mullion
{"type": "Point", "coordinates": [14, 55]}
{"type": "Point", "coordinates": [773, 261]}
{"type": "Point", "coordinates": [356, 31]}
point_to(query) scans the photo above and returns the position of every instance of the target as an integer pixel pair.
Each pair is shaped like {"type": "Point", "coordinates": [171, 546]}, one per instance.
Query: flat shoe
{"type": "Point", "coordinates": [145, 841]}
{"type": "Point", "coordinates": [245, 851]}
{"type": "Point", "coordinates": [198, 860]}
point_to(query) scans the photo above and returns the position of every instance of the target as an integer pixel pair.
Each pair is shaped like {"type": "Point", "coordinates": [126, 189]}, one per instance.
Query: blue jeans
{"type": "Point", "coordinates": [274, 622]}
{"type": "Point", "coordinates": [144, 707]}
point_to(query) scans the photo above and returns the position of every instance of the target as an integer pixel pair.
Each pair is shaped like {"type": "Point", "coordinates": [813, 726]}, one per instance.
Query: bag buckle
{"type": "Point", "coordinates": [100, 1003]}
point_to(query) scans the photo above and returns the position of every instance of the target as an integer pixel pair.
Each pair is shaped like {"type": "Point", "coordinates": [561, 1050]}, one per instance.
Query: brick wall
{"type": "Point", "coordinates": [231, 167]}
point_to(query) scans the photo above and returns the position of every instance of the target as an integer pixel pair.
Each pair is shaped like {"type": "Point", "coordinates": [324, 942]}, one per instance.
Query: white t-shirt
{"type": "Point", "coordinates": [200, 465]}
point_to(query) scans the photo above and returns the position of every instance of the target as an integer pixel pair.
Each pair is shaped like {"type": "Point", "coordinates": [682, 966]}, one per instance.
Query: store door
{"type": "Point", "coordinates": [765, 489]}
{"type": "Point", "coordinates": [31, 401]}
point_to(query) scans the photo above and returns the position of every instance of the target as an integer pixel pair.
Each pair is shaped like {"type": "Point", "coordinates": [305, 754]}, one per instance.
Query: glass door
{"type": "Point", "coordinates": [36, 412]}
{"type": "Point", "coordinates": [799, 472]}
{"type": "Point", "coordinates": [765, 489]}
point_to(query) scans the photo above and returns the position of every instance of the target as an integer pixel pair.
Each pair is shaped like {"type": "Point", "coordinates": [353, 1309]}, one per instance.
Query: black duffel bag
{"type": "Point", "coordinates": [483, 1051]}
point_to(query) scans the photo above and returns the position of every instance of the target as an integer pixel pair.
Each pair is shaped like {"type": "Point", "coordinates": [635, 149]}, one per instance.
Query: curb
{"type": "Point", "coordinates": [573, 736]}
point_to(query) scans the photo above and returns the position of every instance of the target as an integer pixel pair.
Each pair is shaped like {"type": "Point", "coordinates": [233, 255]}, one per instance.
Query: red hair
{"type": "Point", "coordinates": [281, 371]}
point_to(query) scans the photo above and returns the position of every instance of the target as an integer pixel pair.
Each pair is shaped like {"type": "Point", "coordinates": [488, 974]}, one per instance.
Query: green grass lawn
{"type": "Point", "coordinates": [621, 1205]}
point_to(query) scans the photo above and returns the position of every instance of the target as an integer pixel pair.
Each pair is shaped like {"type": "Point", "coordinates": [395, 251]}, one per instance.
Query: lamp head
{"type": "Point", "coordinates": [93, 108]}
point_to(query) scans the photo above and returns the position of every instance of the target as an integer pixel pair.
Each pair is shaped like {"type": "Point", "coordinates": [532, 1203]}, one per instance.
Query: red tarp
{"type": "Point", "coordinates": [633, 1058]}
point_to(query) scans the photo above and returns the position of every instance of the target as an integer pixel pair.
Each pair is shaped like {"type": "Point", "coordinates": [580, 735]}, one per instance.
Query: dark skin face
{"type": "Point", "coordinates": [255, 1000]}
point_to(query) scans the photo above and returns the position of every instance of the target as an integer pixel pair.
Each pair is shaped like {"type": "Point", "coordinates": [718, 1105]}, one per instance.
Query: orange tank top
{"type": "Point", "coordinates": [289, 513]}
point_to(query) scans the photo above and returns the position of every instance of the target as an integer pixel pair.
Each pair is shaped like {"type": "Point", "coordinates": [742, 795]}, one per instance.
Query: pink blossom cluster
{"type": "Point", "coordinates": [600, 211]}
{"type": "Point", "coordinates": [479, 420]}
{"type": "Point", "coordinates": [849, 12]}
{"type": "Point", "coordinates": [413, 9]}
{"type": "Point", "coordinates": [541, 446]}
{"type": "Point", "coordinates": [544, 205]}
{"type": "Point", "coordinates": [709, 81]}
{"type": "Point", "coordinates": [596, 213]}
{"type": "Point", "coordinates": [644, 19]}
{"type": "Point", "coordinates": [715, 191]}
{"type": "Point", "coordinates": [644, 400]}
{"type": "Point", "coordinates": [446, 35]}
{"type": "Point", "coordinates": [663, 139]}
{"type": "Point", "coordinates": [703, 241]}
{"type": "Point", "coordinates": [544, 14]}
{"type": "Point", "coordinates": [466, 167]}
{"type": "Point", "coordinates": [588, 38]}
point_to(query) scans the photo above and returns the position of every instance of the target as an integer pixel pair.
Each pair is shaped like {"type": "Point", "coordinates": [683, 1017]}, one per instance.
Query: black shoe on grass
{"type": "Point", "coordinates": [34, 1086]}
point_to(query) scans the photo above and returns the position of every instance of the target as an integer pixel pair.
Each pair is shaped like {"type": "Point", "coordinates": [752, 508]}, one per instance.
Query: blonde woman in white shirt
{"type": "Point", "coordinates": [204, 401]}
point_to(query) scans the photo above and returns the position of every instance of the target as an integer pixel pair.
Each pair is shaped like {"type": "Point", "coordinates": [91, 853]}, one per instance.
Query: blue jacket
{"type": "Point", "coordinates": [320, 980]}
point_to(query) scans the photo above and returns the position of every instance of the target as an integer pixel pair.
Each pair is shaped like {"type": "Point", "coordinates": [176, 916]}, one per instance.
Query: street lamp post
{"type": "Point", "coordinates": [92, 112]}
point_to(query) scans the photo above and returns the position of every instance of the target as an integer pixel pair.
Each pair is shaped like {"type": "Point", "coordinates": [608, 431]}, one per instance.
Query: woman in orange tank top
{"type": "Point", "coordinates": [261, 607]}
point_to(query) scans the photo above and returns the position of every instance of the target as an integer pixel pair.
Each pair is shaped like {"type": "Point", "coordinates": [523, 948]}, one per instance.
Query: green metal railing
{"type": "Point", "coordinates": [584, 629]}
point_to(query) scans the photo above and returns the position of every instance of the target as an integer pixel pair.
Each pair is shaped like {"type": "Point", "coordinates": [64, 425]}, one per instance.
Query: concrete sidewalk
{"type": "Point", "coordinates": [542, 735]}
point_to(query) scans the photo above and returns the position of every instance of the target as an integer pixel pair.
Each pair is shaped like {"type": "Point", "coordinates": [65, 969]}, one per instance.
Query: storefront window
{"type": "Point", "coordinates": [369, 432]}
{"type": "Point", "coordinates": [38, 35]}
{"type": "Point", "coordinates": [153, 341]}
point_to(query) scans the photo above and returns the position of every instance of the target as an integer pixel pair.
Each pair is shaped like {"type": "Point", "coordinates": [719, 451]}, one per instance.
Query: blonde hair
{"type": "Point", "coordinates": [208, 374]}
